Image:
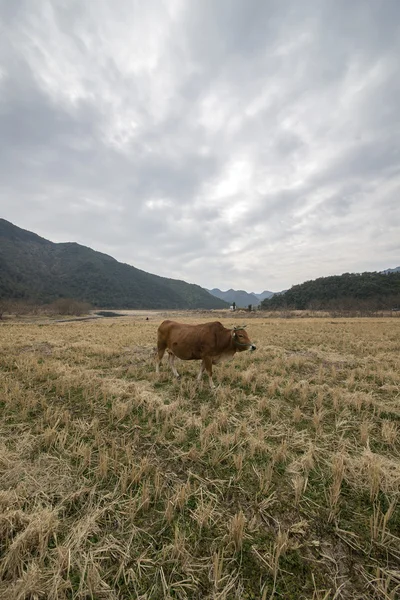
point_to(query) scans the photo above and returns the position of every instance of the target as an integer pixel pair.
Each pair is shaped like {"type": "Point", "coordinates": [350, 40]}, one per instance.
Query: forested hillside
{"type": "Point", "coordinates": [35, 269]}
{"type": "Point", "coordinates": [348, 291]}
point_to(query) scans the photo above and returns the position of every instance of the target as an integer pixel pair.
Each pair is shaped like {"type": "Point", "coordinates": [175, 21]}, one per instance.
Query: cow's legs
{"type": "Point", "coordinates": [160, 353]}
{"type": "Point", "coordinates": [200, 375]}
{"type": "Point", "coordinates": [207, 365]}
{"type": "Point", "coordinates": [171, 360]}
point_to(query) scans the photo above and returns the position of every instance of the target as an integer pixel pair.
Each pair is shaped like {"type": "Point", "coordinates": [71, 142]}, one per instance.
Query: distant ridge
{"type": "Point", "coordinates": [240, 297]}
{"type": "Point", "coordinates": [33, 268]}
{"type": "Point", "coordinates": [263, 295]}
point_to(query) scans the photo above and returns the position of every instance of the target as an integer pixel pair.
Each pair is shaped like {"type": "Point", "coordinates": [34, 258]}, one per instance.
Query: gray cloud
{"type": "Point", "coordinates": [231, 144]}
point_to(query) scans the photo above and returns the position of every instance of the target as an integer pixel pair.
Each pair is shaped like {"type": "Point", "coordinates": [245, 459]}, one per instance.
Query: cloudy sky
{"type": "Point", "coordinates": [251, 144]}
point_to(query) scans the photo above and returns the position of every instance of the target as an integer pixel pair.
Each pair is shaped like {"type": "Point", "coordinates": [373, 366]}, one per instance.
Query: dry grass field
{"type": "Point", "coordinates": [116, 483]}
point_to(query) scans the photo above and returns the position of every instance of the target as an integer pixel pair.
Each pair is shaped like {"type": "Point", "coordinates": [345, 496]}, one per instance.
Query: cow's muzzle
{"type": "Point", "coordinates": [252, 348]}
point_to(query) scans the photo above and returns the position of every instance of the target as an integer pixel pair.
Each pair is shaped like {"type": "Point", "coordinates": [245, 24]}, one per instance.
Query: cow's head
{"type": "Point", "coordinates": [241, 340]}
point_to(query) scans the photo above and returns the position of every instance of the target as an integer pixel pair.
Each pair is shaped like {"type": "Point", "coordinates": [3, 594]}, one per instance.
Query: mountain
{"type": "Point", "coordinates": [395, 270]}
{"type": "Point", "coordinates": [240, 297]}
{"type": "Point", "coordinates": [263, 295]}
{"type": "Point", "coordinates": [372, 291]}
{"type": "Point", "coordinates": [34, 268]}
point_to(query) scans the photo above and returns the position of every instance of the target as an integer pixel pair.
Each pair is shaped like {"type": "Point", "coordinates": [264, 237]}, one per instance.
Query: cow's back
{"type": "Point", "coordinates": [190, 342]}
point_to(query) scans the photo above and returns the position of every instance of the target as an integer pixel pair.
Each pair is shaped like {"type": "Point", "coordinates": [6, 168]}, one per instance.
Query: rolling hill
{"type": "Point", "coordinates": [33, 268]}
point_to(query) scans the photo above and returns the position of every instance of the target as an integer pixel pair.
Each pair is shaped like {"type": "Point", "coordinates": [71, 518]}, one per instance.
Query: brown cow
{"type": "Point", "coordinates": [209, 342]}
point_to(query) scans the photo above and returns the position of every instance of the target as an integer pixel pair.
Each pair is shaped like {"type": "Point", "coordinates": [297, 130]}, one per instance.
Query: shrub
{"type": "Point", "coordinates": [69, 306]}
